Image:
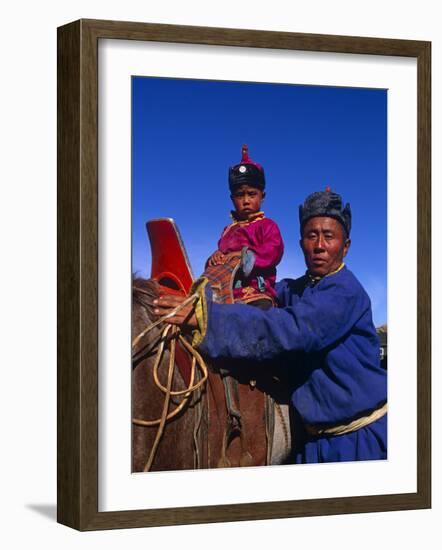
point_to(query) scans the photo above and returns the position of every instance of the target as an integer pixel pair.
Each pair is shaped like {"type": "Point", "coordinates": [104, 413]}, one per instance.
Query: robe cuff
{"type": "Point", "coordinates": [201, 314]}
{"type": "Point", "coordinates": [248, 259]}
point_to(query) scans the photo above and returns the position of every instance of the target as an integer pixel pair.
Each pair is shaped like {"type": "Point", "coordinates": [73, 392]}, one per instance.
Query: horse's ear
{"type": "Point", "coordinates": [155, 285]}
{"type": "Point", "coordinates": [145, 286]}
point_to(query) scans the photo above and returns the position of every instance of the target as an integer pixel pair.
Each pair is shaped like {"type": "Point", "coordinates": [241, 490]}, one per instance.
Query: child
{"type": "Point", "coordinates": [252, 237]}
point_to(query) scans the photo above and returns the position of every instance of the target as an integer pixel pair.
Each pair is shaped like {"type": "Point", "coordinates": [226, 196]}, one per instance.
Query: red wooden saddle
{"type": "Point", "coordinates": [170, 264]}
{"type": "Point", "coordinates": [171, 269]}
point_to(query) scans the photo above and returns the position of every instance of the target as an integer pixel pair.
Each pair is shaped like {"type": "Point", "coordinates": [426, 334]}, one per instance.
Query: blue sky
{"type": "Point", "coordinates": [186, 133]}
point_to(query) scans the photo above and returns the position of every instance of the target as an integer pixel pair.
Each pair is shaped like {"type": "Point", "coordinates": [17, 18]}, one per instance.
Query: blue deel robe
{"type": "Point", "coordinates": [324, 334]}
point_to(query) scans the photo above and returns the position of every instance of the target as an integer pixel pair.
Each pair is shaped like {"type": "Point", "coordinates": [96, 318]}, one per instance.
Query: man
{"type": "Point", "coordinates": [323, 331]}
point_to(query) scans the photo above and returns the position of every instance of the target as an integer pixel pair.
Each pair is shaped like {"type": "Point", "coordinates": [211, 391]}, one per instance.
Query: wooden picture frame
{"type": "Point", "coordinates": [78, 274]}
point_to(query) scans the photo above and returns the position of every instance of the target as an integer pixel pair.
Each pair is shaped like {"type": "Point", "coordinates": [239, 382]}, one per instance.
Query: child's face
{"type": "Point", "coordinates": [247, 201]}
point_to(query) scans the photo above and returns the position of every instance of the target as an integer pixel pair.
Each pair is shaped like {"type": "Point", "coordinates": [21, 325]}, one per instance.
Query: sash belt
{"type": "Point", "coordinates": [347, 428]}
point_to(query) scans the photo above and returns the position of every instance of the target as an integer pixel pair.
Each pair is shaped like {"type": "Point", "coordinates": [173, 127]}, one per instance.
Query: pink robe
{"type": "Point", "coordinates": [261, 235]}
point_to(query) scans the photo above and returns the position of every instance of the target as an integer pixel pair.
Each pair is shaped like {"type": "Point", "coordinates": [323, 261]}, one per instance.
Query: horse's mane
{"type": "Point", "coordinates": [144, 291]}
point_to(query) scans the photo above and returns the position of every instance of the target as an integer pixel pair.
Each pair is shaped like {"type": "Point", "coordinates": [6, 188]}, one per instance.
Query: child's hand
{"type": "Point", "coordinates": [232, 255]}
{"type": "Point", "coordinates": [217, 258]}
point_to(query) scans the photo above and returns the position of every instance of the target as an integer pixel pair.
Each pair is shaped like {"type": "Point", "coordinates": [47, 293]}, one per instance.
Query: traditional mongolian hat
{"type": "Point", "coordinates": [247, 172]}
{"type": "Point", "coordinates": [325, 203]}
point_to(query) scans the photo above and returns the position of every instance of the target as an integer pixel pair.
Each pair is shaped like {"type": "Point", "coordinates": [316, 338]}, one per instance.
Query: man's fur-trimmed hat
{"type": "Point", "coordinates": [328, 204]}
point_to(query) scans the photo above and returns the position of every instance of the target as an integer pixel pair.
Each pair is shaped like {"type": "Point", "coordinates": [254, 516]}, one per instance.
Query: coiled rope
{"type": "Point", "coordinates": [197, 360]}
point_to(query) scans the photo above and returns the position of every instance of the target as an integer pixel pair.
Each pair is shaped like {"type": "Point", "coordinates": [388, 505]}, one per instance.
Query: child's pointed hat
{"type": "Point", "coordinates": [247, 172]}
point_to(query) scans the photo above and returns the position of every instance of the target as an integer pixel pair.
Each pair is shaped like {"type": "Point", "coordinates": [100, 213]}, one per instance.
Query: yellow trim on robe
{"type": "Point", "coordinates": [199, 287]}
{"type": "Point", "coordinates": [316, 279]}
{"type": "Point", "coordinates": [253, 218]}
{"type": "Point", "coordinates": [336, 270]}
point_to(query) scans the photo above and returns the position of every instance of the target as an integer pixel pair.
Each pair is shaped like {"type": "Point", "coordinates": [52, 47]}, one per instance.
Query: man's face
{"type": "Point", "coordinates": [324, 244]}
{"type": "Point", "coordinates": [247, 201]}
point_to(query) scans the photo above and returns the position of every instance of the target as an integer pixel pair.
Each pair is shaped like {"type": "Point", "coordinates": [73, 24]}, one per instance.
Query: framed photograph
{"type": "Point", "coordinates": [155, 122]}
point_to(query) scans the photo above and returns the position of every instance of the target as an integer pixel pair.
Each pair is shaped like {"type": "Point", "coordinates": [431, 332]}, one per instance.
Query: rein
{"type": "Point", "coordinates": [167, 390]}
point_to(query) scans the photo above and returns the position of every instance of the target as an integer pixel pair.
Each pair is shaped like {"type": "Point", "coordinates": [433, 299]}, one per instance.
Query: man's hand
{"type": "Point", "coordinates": [185, 317]}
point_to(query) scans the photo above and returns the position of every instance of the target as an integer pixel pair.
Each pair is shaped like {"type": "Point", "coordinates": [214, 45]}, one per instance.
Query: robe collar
{"type": "Point", "coordinates": [312, 281]}
{"type": "Point", "coordinates": [253, 218]}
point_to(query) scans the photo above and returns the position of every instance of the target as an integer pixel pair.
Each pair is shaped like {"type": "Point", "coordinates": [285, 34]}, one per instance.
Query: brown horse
{"type": "Point", "coordinates": [231, 420]}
